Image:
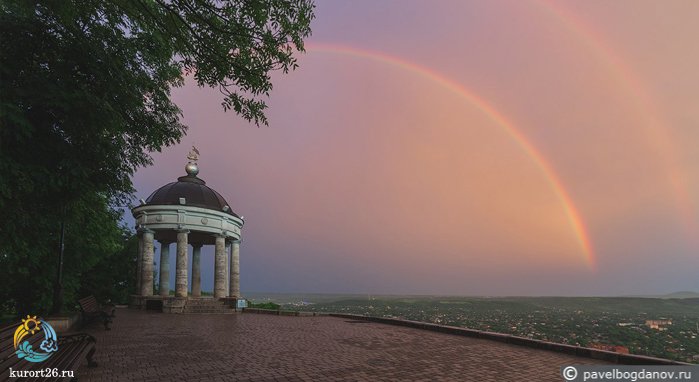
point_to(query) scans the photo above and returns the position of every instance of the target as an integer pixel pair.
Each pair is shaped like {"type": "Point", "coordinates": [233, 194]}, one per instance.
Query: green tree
{"type": "Point", "coordinates": [99, 259]}
{"type": "Point", "coordinates": [85, 99]}
{"type": "Point", "coordinates": [113, 279]}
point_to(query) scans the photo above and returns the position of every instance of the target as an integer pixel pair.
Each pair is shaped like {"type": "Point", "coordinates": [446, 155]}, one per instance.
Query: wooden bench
{"type": "Point", "coordinates": [92, 311]}
{"type": "Point", "coordinates": [72, 350]}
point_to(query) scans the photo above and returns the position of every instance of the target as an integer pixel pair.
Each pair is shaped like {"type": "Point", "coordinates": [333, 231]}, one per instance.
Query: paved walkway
{"type": "Point", "coordinates": [144, 346]}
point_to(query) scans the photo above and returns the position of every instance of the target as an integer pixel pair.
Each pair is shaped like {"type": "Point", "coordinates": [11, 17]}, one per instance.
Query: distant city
{"type": "Point", "coordinates": [664, 326]}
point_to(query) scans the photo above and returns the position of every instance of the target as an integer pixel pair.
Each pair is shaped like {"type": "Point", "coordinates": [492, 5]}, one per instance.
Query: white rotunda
{"type": "Point", "coordinates": [186, 212]}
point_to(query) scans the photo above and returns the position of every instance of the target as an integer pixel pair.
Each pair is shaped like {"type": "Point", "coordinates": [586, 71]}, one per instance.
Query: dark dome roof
{"type": "Point", "coordinates": [194, 190]}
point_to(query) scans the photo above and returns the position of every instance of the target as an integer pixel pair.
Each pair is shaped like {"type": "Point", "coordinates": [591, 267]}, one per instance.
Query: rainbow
{"type": "Point", "coordinates": [643, 105]}
{"type": "Point", "coordinates": [571, 212]}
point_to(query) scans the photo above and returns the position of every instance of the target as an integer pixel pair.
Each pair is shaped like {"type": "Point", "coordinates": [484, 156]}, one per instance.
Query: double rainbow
{"type": "Point", "coordinates": [644, 107]}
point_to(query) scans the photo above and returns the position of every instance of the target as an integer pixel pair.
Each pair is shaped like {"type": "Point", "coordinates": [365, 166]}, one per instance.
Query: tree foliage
{"type": "Point", "coordinates": [100, 258]}
{"type": "Point", "coordinates": [85, 98]}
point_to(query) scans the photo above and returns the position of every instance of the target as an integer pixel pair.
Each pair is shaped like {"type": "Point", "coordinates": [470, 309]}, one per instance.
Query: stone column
{"type": "Point", "coordinates": [164, 268]}
{"type": "Point", "coordinates": [228, 267]}
{"type": "Point", "coordinates": [235, 269]}
{"type": "Point", "coordinates": [196, 270]}
{"type": "Point", "coordinates": [220, 267]}
{"type": "Point", "coordinates": [139, 261]}
{"type": "Point", "coordinates": [181, 264]}
{"type": "Point", "coordinates": [147, 263]}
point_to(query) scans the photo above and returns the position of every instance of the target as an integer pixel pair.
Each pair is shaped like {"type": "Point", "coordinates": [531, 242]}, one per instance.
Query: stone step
{"type": "Point", "coordinates": [209, 311]}
{"type": "Point", "coordinates": [206, 307]}
{"type": "Point", "coordinates": [206, 303]}
{"type": "Point", "coordinates": [217, 303]}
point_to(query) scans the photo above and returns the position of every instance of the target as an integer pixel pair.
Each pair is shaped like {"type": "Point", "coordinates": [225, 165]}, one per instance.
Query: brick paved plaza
{"type": "Point", "coordinates": [144, 346]}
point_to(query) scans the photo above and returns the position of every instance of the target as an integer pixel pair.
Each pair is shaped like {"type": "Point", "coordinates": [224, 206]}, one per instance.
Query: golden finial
{"type": "Point", "coordinates": [193, 154]}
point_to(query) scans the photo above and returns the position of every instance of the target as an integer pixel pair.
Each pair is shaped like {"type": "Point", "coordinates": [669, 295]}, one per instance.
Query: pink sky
{"type": "Point", "coordinates": [375, 179]}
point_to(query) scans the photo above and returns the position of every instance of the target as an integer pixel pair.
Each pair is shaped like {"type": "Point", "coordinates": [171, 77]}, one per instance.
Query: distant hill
{"type": "Point", "coordinates": [682, 294]}
{"type": "Point", "coordinates": [659, 306]}
{"type": "Point", "coordinates": [632, 306]}
{"type": "Point", "coordinates": [332, 297]}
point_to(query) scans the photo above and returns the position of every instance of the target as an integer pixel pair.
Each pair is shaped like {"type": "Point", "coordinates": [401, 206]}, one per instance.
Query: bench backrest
{"type": "Point", "coordinates": [89, 304]}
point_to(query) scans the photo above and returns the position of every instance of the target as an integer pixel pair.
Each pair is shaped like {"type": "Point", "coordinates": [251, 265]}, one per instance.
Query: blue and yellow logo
{"type": "Point", "coordinates": [24, 350]}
